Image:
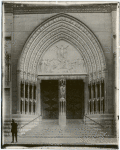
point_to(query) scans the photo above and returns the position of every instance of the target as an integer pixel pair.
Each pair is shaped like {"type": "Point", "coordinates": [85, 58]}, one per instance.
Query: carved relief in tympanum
{"type": "Point", "coordinates": [62, 58]}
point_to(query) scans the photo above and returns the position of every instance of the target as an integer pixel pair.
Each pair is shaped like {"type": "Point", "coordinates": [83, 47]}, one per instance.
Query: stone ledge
{"type": "Point", "coordinates": [43, 9]}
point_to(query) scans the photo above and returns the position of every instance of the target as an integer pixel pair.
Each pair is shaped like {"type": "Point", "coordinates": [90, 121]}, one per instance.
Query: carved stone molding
{"type": "Point", "coordinates": [43, 9]}
{"type": "Point", "coordinates": [57, 77]}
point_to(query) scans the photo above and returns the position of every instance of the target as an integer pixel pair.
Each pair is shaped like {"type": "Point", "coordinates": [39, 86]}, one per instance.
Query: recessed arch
{"type": "Point", "coordinates": [66, 27]}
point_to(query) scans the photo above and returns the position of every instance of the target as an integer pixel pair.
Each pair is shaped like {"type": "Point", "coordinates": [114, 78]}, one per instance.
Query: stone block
{"type": "Point", "coordinates": [8, 23]}
{"type": "Point", "coordinates": [42, 17]}
{"type": "Point", "coordinates": [6, 34]}
{"type": "Point", "coordinates": [62, 120]}
{"type": "Point", "coordinates": [104, 38]}
{"type": "Point", "coordinates": [107, 23]}
{"type": "Point", "coordinates": [6, 103]}
{"type": "Point", "coordinates": [19, 23]}
{"type": "Point", "coordinates": [20, 37]}
{"type": "Point", "coordinates": [95, 21]}
{"type": "Point", "coordinates": [31, 22]}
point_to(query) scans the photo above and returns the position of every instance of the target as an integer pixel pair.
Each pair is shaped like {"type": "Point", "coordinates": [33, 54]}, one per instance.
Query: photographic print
{"type": "Point", "coordinates": [60, 74]}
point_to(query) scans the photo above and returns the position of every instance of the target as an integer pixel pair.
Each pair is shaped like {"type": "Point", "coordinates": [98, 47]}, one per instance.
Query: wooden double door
{"type": "Point", "coordinates": [74, 99]}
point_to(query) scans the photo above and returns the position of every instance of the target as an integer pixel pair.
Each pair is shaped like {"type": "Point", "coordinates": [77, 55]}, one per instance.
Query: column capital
{"type": "Point", "coordinates": [19, 71]}
{"type": "Point", "coordinates": [24, 73]}
{"type": "Point", "coordinates": [22, 99]}
{"type": "Point", "coordinates": [26, 99]}
{"type": "Point", "coordinates": [39, 80]}
{"type": "Point", "coordinates": [102, 80]}
{"type": "Point", "coordinates": [34, 100]}
{"type": "Point", "coordinates": [31, 100]}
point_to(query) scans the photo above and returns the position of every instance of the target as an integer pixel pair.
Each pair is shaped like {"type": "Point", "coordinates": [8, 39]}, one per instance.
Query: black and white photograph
{"type": "Point", "coordinates": [59, 74]}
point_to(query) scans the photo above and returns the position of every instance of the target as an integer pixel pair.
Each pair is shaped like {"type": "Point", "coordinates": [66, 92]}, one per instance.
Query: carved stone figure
{"type": "Point", "coordinates": [62, 91]}
{"type": "Point", "coordinates": [62, 53]}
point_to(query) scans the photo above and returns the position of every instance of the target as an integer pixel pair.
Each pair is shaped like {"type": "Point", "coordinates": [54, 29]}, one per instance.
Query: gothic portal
{"type": "Point", "coordinates": [68, 54]}
{"type": "Point", "coordinates": [60, 64]}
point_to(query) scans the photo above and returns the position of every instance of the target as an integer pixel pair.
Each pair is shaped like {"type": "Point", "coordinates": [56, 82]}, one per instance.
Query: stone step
{"type": "Point", "coordinates": [23, 125]}
{"type": "Point", "coordinates": [51, 128]}
{"type": "Point", "coordinates": [72, 129]}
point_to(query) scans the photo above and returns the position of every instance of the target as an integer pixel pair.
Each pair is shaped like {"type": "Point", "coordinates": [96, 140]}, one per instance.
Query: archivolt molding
{"type": "Point", "coordinates": [62, 27]}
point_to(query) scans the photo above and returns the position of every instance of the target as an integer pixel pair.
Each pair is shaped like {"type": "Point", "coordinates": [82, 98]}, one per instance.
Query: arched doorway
{"type": "Point", "coordinates": [63, 47]}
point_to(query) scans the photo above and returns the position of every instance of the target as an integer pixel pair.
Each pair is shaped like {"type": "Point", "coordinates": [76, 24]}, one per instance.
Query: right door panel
{"type": "Point", "coordinates": [74, 99]}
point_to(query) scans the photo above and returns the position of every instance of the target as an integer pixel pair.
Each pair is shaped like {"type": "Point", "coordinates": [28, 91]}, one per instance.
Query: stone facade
{"type": "Point", "coordinates": [26, 25]}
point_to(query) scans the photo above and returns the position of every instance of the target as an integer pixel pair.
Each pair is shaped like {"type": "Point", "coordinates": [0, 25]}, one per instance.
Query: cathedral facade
{"type": "Point", "coordinates": [60, 62]}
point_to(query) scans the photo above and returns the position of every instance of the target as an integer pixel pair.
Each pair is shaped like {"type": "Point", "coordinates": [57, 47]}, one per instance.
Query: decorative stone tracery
{"type": "Point", "coordinates": [97, 96]}
{"type": "Point", "coordinates": [28, 98]}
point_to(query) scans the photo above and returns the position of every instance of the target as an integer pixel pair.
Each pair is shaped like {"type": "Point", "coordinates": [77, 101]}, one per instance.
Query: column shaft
{"type": "Point", "coordinates": [65, 108]}
{"type": "Point", "coordinates": [89, 88]}
{"type": "Point", "coordinates": [32, 101]}
{"type": "Point", "coordinates": [9, 72]}
{"type": "Point", "coordinates": [40, 100]}
{"type": "Point", "coordinates": [93, 106]}
{"type": "Point", "coordinates": [24, 99]}
{"type": "Point", "coordinates": [88, 107]}
{"type": "Point", "coordinates": [35, 108]}
{"type": "Point", "coordinates": [86, 96]}
{"type": "Point", "coordinates": [23, 107]}
{"type": "Point", "coordinates": [61, 107]}
{"type": "Point", "coordinates": [96, 97]}
{"type": "Point", "coordinates": [105, 97]}
{"type": "Point", "coordinates": [18, 92]}
{"type": "Point", "coordinates": [91, 99]}
{"type": "Point", "coordinates": [36, 100]}
{"type": "Point", "coordinates": [100, 97]}
{"type": "Point", "coordinates": [28, 101]}
{"type": "Point", "coordinates": [38, 91]}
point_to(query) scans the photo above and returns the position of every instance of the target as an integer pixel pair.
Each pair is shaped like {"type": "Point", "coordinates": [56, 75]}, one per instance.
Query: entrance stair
{"type": "Point", "coordinates": [75, 128]}
{"type": "Point", "coordinates": [25, 123]}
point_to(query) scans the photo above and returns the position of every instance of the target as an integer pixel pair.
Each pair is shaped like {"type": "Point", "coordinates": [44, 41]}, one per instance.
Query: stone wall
{"type": "Point", "coordinates": [19, 27]}
{"type": "Point", "coordinates": [6, 101]}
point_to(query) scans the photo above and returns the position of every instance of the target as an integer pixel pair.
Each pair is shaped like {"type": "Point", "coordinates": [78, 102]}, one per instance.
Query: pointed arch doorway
{"type": "Point", "coordinates": [69, 49]}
